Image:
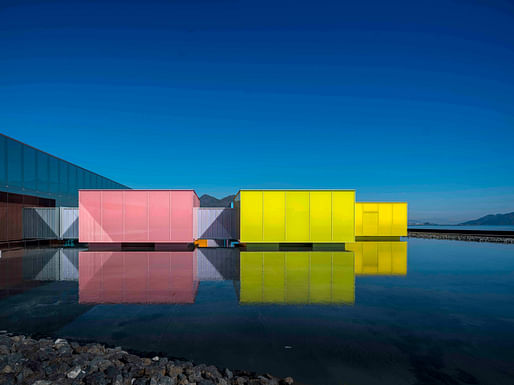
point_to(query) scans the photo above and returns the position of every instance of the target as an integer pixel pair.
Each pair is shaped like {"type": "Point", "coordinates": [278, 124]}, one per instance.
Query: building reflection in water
{"type": "Point", "coordinates": [138, 277]}
{"type": "Point", "coordinates": [284, 277]}
{"type": "Point", "coordinates": [297, 277]}
{"type": "Point", "coordinates": [379, 258]}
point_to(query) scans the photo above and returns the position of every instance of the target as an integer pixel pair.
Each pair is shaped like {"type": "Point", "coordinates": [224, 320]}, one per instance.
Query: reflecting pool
{"type": "Point", "coordinates": [422, 312]}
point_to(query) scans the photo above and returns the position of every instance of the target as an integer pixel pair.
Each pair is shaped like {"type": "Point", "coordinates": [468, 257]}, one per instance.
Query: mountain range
{"type": "Point", "coordinates": [493, 220]}
{"type": "Point", "coordinates": [210, 201]}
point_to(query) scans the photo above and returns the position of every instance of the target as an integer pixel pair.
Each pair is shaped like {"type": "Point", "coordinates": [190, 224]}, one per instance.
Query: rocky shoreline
{"type": "Point", "coordinates": [24, 360]}
{"type": "Point", "coordinates": [460, 237]}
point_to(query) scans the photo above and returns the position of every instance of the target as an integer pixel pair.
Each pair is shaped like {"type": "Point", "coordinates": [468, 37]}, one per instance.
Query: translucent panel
{"type": "Point", "coordinates": [90, 214]}
{"type": "Point", "coordinates": [343, 216]}
{"type": "Point", "coordinates": [370, 223]}
{"type": "Point", "coordinates": [297, 216]}
{"type": "Point", "coordinates": [29, 169]}
{"type": "Point", "coordinates": [274, 213]}
{"type": "Point", "coordinates": [181, 216]}
{"type": "Point", "coordinates": [385, 219]}
{"type": "Point", "coordinates": [14, 165]}
{"type": "Point", "coordinates": [112, 216]}
{"type": "Point", "coordinates": [399, 226]}
{"type": "Point", "coordinates": [159, 218]}
{"type": "Point", "coordinates": [321, 216]}
{"type": "Point", "coordinates": [251, 215]}
{"type": "Point", "coordinates": [3, 161]}
{"type": "Point", "coordinates": [136, 216]}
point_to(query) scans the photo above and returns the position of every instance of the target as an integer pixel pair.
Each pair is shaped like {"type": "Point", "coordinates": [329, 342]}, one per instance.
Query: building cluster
{"type": "Point", "coordinates": [161, 217]}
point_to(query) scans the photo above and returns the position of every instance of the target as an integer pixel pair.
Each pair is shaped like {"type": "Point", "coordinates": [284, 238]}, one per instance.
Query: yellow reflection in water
{"type": "Point", "coordinates": [316, 277]}
{"type": "Point", "coordinates": [379, 258]}
{"type": "Point", "coordinates": [297, 277]}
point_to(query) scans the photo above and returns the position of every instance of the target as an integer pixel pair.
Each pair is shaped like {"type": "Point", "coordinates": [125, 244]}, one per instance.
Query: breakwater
{"type": "Point", "coordinates": [464, 235]}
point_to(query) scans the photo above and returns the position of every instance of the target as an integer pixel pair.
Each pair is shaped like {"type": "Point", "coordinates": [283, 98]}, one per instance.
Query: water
{"type": "Point", "coordinates": [432, 312]}
{"type": "Point", "coordinates": [462, 227]}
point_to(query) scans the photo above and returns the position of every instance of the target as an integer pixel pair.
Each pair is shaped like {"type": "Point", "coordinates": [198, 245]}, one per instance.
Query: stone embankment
{"type": "Point", "coordinates": [24, 360]}
{"type": "Point", "coordinates": [461, 236]}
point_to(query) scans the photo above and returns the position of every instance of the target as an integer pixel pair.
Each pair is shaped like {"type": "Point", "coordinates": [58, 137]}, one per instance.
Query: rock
{"type": "Point", "coordinates": [96, 378]}
{"type": "Point", "coordinates": [104, 364]}
{"type": "Point", "coordinates": [228, 373]}
{"type": "Point", "coordinates": [43, 362]}
{"type": "Point", "coordinates": [74, 372]}
{"type": "Point", "coordinates": [173, 371]}
{"type": "Point", "coordinates": [165, 380]}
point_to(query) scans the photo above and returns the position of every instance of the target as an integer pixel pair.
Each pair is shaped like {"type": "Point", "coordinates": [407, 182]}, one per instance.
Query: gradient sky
{"type": "Point", "coordinates": [401, 100]}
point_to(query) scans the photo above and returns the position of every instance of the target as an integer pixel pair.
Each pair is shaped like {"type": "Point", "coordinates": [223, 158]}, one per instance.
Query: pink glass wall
{"type": "Point", "coordinates": [157, 216]}
{"type": "Point", "coordinates": [137, 277]}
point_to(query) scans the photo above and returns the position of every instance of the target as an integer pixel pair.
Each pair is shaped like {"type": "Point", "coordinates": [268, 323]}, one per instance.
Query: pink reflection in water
{"type": "Point", "coordinates": [137, 277]}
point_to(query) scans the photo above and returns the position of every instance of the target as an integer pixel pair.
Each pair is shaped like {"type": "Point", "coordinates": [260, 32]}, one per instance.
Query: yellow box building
{"type": "Point", "coordinates": [296, 216]}
{"type": "Point", "coordinates": [379, 258]}
{"type": "Point", "coordinates": [297, 277]}
{"type": "Point", "coordinates": [380, 219]}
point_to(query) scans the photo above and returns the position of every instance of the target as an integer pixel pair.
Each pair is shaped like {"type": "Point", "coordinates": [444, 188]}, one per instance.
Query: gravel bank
{"type": "Point", "coordinates": [24, 360]}
{"type": "Point", "coordinates": [460, 237]}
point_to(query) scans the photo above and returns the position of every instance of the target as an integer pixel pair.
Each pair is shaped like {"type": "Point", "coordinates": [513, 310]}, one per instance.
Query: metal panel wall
{"type": "Point", "coordinates": [381, 219]}
{"type": "Point", "coordinates": [50, 223]}
{"type": "Point", "coordinates": [216, 223]}
{"type": "Point", "coordinates": [289, 216]}
{"type": "Point", "coordinates": [41, 223]}
{"type": "Point", "coordinates": [69, 223]}
{"type": "Point", "coordinates": [158, 216]}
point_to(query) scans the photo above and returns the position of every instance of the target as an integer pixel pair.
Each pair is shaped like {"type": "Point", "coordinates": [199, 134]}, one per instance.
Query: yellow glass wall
{"type": "Point", "coordinates": [297, 277]}
{"type": "Point", "coordinates": [297, 216]}
{"type": "Point", "coordinates": [380, 219]}
{"type": "Point", "coordinates": [379, 258]}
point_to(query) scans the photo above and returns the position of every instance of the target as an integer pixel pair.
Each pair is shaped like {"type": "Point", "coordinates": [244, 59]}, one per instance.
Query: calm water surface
{"type": "Point", "coordinates": [430, 312]}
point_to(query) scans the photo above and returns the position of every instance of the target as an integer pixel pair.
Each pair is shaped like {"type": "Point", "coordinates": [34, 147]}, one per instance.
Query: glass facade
{"type": "Point", "coordinates": [26, 170]}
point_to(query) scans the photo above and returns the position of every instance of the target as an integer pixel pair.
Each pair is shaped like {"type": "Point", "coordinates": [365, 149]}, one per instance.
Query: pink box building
{"type": "Point", "coordinates": [137, 277]}
{"type": "Point", "coordinates": [137, 216]}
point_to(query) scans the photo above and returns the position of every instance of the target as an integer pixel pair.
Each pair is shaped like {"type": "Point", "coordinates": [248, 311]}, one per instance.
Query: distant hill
{"type": "Point", "coordinates": [210, 201]}
{"type": "Point", "coordinates": [414, 222]}
{"type": "Point", "coordinates": [493, 220]}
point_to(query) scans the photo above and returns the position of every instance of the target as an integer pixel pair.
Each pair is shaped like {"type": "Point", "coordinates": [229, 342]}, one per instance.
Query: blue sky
{"type": "Point", "coordinates": [400, 100]}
